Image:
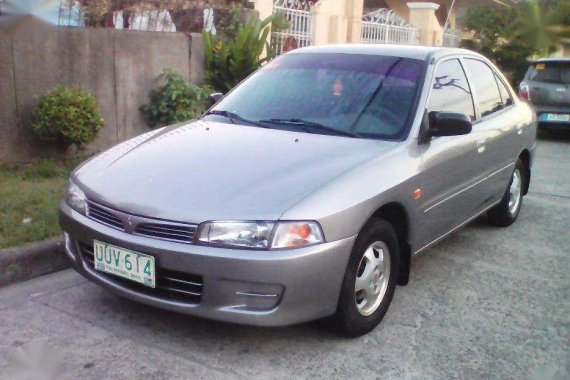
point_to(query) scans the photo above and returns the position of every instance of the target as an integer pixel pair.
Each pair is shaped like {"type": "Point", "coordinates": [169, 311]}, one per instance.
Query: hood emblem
{"type": "Point", "coordinates": [129, 223]}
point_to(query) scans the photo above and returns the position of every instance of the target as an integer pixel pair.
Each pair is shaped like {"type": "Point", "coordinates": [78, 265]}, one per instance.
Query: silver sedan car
{"type": "Point", "coordinates": [304, 192]}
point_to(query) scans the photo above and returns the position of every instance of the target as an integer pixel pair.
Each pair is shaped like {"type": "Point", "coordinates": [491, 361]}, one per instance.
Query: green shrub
{"type": "Point", "coordinates": [235, 53]}
{"type": "Point", "coordinates": [67, 115]}
{"type": "Point", "coordinates": [177, 100]}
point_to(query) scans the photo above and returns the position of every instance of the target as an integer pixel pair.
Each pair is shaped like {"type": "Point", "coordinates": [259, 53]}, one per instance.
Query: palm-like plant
{"type": "Point", "coordinates": [238, 51]}
{"type": "Point", "coordinates": [542, 26]}
{"type": "Point", "coordinates": [510, 36]}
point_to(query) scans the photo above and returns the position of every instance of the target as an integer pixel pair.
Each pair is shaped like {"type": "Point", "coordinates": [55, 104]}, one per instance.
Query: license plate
{"type": "Point", "coordinates": [125, 263]}
{"type": "Point", "coordinates": [556, 117]}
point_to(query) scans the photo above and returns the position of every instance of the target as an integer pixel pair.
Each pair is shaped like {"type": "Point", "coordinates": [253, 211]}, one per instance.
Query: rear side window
{"type": "Point", "coordinates": [483, 80]}
{"type": "Point", "coordinates": [505, 94]}
{"type": "Point", "coordinates": [550, 72]}
{"type": "Point", "coordinates": [450, 90]}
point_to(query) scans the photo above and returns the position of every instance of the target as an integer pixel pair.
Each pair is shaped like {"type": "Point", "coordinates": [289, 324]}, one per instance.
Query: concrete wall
{"type": "Point", "coordinates": [330, 22]}
{"type": "Point", "coordinates": [423, 16]}
{"type": "Point", "coordinates": [118, 67]}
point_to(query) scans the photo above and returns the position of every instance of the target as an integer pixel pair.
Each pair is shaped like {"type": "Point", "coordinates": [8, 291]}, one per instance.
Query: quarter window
{"type": "Point", "coordinates": [483, 79]}
{"type": "Point", "coordinates": [450, 90]}
{"type": "Point", "coordinates": [505, 94]}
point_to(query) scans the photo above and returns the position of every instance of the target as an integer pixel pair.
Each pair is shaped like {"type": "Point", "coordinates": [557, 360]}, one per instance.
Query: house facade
{"type": "Point", "coordinates": [370, 21]}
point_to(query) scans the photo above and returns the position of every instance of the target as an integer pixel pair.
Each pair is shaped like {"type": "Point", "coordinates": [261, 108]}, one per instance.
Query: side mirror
{"type": "Point", "coordinates": [448, 124]}
{"type": "Point", "coordinates": [215, 97]}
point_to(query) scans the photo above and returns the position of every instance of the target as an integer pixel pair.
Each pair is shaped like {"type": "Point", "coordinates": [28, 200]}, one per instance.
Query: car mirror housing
{"type": "Point", "coordinates": [449, 124]}
{"type": "Point", "coordinates": [215, 97]}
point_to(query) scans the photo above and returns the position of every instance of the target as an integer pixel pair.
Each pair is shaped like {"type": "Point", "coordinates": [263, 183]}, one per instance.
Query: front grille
{"type": "Point", "coordinates": [170, 285]}
{"type": "Point", "coordinates": [103, 216]}
{"type": "Point", "coordinates": [154, 228]}
{"type": "Point", "coordinates": [174, 232]}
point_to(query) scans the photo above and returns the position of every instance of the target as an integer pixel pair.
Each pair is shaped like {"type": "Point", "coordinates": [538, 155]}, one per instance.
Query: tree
{"type": "Point", "coordinates": [542, 24]}
{"type": "Point", "coordinates": [509, 36]}
{"type": "Point", "coordinates": [494, 36]}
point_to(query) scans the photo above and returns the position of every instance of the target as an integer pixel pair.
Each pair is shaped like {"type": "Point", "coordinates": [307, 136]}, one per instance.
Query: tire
{"type": "Point", "coordinates": [505, 213]}
{"type": "Point", "coordinates": [375, 260]}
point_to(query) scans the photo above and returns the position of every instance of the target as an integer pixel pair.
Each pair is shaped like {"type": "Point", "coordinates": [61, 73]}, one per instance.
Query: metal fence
{"type": "Point", "coordinates": [300, 32]}
{"type": "Point", "coordinates": [384, 26]}
{"type": "Point", "coordinates": [147, 15]}
{"type": "Point", "coordinates": [451, 38]}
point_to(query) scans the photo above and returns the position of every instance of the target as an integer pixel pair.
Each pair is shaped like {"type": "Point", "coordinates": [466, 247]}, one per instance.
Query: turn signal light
{"type": "Point", "coordinates": [297, 234]}
{"type": "Point", "coordinates": [303, 231]}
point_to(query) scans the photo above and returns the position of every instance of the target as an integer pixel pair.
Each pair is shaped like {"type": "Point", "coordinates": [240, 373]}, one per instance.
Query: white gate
{"type": "Point", "coordinates": [300, 31]}
{"type": "Point", "coordinates": [384, 26]}
{"type": "Point", "coordinates": [451, 38]}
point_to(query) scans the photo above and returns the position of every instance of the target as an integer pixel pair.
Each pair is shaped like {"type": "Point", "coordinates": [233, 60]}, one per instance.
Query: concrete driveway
{"type": "Point", "coordinates": [485, 303]}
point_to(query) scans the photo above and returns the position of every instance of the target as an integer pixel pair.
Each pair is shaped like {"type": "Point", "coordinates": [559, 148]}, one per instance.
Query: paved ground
{"type": "Point", "coordinates": [485, 303]}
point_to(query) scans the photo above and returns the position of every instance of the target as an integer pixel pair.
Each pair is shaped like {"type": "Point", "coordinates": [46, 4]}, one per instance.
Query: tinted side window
{"type": "Point", "coordinates": [450, 90]}
{"type": "Point", "coordinates": [483, 79]}
{"type": "Point", "coordinates": [505, 95]}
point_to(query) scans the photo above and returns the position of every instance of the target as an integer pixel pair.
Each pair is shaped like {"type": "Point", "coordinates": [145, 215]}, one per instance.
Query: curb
{"type": "Point", "coordinates": [32, 260]}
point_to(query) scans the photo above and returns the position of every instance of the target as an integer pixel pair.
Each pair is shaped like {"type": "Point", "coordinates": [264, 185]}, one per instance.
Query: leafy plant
{"type": "Point", "coordinates": [67, 115]}
{"type": "Point", "coordinates": [237, 52]}
{"type": "Point", "coordinates": [175, 101]}
{"type": "Point", "coordinates": [93, 11]}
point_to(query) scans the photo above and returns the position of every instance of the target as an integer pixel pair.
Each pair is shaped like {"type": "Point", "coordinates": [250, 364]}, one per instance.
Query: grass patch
{"type": "Point", "coordinates": [29, 198]}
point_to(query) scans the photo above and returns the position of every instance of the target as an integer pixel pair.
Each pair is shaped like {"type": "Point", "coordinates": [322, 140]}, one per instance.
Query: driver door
{"type": "Point", "coordinates": [449, 164]}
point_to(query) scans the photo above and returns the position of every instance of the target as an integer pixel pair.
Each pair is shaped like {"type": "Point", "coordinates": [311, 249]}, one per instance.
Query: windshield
{"type": "Point", "coordinates": [368, 96]}
{"type": "Point", "coordinates": [551, 72]}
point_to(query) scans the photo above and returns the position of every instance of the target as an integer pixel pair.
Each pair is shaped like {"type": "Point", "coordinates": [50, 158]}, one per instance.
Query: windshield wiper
{"type": "Point", "coordinates": [306, 125]}
{"type": "Point", "coordinates": [233, 117]}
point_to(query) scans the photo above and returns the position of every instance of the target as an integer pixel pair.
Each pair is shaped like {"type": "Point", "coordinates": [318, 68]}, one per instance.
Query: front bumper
{"type": "Point", "coordinates": [266, 288]}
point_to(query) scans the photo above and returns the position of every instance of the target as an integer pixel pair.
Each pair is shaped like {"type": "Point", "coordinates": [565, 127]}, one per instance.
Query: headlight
{"type": "Point", "coordinates": [260, 235]}
{"type": "Point", "coordinates": [75, 198]}
{"type": "Point", "coordinates": [236, 234]}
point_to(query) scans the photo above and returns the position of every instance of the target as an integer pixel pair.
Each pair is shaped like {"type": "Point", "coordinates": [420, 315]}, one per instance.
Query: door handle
{"type": "Point", "coordinates": [481, 144]}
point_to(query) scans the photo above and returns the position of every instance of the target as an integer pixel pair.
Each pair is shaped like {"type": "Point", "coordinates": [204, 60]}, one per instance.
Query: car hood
{"type": "Point", "coordinates": [212, 171]}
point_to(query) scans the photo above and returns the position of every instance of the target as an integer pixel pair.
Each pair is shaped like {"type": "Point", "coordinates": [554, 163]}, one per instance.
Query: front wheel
{"type": "Point", "coordinates": [370, 279]}
{"type": "Point", "coordinates": [505, 213]}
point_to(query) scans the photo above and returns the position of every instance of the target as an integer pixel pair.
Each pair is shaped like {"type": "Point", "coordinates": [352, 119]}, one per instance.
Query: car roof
{"type": "Point", "coordinates": [404, 51]}
{"type": "Point", "coordinates": [551, 59]}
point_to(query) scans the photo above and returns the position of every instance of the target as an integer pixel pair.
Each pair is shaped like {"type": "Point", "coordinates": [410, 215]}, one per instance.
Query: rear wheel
{"type": "Point", "coordinates": [506, 212]}
{"type": "Point", "coordinates": [369, 281]}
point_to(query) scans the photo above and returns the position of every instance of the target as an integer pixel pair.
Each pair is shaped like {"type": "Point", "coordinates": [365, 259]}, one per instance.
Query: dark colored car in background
{"type": "Point", "coordinates": [547, 86]}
